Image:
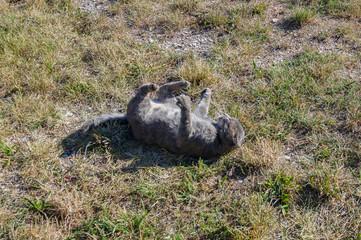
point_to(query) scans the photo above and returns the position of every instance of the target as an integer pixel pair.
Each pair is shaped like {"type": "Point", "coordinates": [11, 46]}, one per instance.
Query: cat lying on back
{"type": "Point", "coordinates": [169, 123]}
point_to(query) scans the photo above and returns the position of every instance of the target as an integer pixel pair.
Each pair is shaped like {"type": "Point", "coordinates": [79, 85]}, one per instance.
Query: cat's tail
{"type": "Point", "coordinates": [110, 119]}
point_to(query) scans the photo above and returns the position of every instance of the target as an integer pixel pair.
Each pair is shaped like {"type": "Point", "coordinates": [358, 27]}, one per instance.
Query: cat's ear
{"type": "Point", "coordinates": [238, 132]}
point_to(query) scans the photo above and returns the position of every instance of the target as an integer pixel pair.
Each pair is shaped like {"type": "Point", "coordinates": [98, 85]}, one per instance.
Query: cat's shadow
{"type": "Point", "coordinates": [119, 142]}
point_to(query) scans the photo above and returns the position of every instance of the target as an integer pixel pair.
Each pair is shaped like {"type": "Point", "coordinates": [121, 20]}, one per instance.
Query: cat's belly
{"type": "Point", "coordinates": [161, 128]}
{"type": "Point", "coordinates": [158, 127]}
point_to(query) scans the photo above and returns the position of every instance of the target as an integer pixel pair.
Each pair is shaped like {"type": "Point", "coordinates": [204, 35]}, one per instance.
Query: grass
{"type": "Point", "coordinates": [302, 16]}
{"type": "Point", "coordinates": [297, 175]}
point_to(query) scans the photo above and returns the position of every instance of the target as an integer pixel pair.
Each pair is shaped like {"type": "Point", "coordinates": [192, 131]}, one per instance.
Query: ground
{"type": "Point", "coordinates": [288, 70]}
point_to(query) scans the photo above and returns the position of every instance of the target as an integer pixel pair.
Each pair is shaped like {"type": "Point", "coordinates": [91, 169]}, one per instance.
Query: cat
{"type": "Point", "coordinates": [168, 122]}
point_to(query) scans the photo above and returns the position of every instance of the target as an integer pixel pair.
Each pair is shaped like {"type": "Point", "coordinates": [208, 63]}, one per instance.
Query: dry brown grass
{"type": "Point", "coordinates": [262, 153]}
{"type": "Point", "coordinates": [355, 9]}
{"type": "Point", "coordinates": [296, 176]}
{"type": "Point", "coordinates": [198, 72]}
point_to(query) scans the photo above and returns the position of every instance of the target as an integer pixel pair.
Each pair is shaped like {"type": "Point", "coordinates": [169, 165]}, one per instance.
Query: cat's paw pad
{"type": "Point", "coordinates": [183, 101]}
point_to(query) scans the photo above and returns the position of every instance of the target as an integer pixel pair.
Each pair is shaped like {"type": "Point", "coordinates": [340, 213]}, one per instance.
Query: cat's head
{"type": "Point", "coordinates": [230, 130]}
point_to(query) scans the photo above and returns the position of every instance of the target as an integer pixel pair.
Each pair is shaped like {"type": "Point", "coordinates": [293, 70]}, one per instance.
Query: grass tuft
{"type": "Point", "coordinates": [198, 72]}
{"type": "Point", "coordinates": [261, 153]}
{"type": "Point", "coordinates": [302, 16]}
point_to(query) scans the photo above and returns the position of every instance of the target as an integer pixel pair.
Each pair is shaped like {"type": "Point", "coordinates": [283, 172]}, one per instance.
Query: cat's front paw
{"type": "Point", "coordinates": [184, 102]}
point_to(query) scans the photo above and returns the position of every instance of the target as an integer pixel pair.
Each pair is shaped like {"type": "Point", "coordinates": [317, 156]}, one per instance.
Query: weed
{"type": "Point", "coordinates": [104, 227]}
{"type": "Point", "coordinates": [9, 152]}
{"type": "Point", "coordinates": [6, 149]}
{"type": "Point", "coordinates": [258, 71]}
{"type": "Point", "coordinates": [211, 19]}
{"type": "Point", "coordinates": [40, 206]}
{"type": "Point", "coordinates": [278, 189]}
{"type": "Point", "coordinates": [259, 8]}
{"type": "Point", "coordinates": [147, 191]}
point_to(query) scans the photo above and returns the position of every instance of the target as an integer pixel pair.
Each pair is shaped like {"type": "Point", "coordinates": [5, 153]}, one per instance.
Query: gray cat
{"type": "Point", "coordinates": [169, 123]}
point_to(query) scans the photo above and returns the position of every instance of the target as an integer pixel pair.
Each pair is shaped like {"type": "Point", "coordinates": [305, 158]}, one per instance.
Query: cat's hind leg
{"type": "Point", "coordinates": [202, 108]}
{"type": "Point", "coordinates": [165, 91]}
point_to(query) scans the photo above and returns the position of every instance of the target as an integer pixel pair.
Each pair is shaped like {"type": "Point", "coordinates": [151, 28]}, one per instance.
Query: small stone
{"type": "Point", "coordinates": [274, 20]}
{"type": "Point", "coordinates": [284, 157]}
